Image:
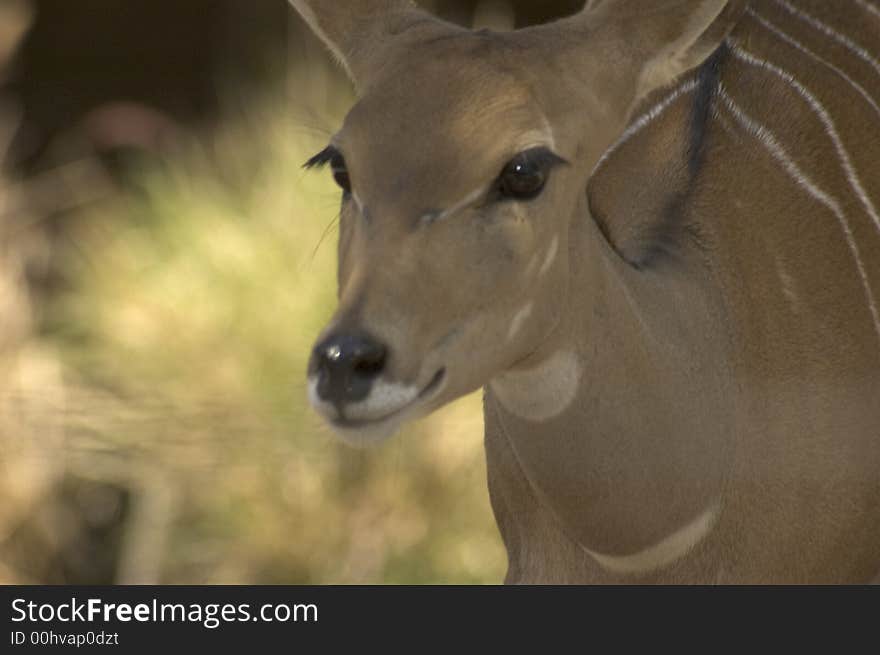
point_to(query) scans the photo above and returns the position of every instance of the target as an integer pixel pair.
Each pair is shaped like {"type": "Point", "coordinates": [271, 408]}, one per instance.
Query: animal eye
{"type": "Point", "coordinates": [524, 176]}
{"type": "Point", "coordinates": [340, 172]}
{"type": "Point", "coordinates": [334, 158]}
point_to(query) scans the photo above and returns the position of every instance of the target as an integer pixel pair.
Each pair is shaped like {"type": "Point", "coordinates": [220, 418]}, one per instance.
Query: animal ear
{"type": "Point", "coordinates": [360, 33]}
{"type": "Point", "coordinates": [662, 40]}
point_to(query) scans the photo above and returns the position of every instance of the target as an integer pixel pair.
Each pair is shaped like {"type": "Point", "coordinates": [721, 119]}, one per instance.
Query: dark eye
{"type": "Point", "coordinates": [340, 172]}
{"type": "Point", "coordinates": [330, 155]}
{"type": "Point", "coordinates": [524, 177]}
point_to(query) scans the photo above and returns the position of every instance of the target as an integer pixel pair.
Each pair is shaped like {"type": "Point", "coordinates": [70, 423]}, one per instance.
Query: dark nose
{"type": "Point", "coordinates": [346, 366]}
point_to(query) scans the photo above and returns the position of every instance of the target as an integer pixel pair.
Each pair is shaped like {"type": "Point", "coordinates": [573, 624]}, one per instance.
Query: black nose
{"type": "Point", "coordinates": [346, 366]}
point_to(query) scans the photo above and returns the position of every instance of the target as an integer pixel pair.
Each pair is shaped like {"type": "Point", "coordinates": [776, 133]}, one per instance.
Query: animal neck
{"type": "Point", "coordinates": [618, 421]}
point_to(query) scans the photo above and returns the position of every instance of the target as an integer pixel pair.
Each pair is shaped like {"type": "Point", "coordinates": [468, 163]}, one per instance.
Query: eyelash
{"type": "Point", "coordinates": [322, 159]}
{"type": "Point", "coordinates": [332, 157]}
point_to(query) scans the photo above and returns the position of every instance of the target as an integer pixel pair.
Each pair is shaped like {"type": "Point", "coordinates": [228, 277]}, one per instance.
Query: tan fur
{"type": "Point", "coordinates": [704, 413]}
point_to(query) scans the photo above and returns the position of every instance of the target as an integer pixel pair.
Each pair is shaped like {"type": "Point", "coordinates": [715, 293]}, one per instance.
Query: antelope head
{"type": "Point", "coordinates": [463, 167]}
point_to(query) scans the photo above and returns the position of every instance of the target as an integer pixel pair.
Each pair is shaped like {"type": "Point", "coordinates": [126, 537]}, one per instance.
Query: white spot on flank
{"type": "Point", "coordinates": [664, 553]}
{"type": "Point", "coordinates": [802, 179]}
{"type": "Point", "coordinates": [551, 256]}
{"type": "Point", "coordinates": [543, 392]}
{"type": "Point", "coordinates": [518, 320]}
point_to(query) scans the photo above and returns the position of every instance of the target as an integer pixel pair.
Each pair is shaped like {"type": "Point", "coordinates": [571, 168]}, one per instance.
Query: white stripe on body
{"type": "Point", "coordinates": [827, 30]}
{"type": "Point", "coordinates": [812, 55]}
{"type": "Point", "coordinates": [778, 152]}
{"type": "Point", "coordinates": [646, 119]}
{"type": "Point", "coordinates": [827, 122]}
{"type": "Point", "coordinates": [867, 6]}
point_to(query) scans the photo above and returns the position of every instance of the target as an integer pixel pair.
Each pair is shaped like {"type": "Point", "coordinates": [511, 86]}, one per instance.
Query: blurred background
{"type": "Point", "coordinates": [165, 264]}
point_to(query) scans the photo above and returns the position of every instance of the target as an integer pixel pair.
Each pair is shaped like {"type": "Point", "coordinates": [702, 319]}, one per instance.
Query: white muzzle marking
{"type": "Point", "coordinates": [385, 399]}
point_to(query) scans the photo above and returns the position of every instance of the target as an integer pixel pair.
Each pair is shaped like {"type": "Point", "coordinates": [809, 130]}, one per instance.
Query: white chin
{"type": "Point", "coordinates": [361, 434]}
{"type": "Point", "coordinates": [398, 403]}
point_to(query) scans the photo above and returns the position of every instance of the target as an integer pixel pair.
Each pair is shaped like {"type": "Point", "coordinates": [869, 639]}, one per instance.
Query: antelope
{"type": "Point", "coordinates": [650, 232]}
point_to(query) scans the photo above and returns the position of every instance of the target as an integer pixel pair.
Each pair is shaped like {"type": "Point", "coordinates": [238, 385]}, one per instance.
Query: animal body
{"type": "Point", "coordinates": [651, 232]}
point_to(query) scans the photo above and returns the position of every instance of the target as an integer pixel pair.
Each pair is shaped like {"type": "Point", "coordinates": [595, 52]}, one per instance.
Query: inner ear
{"type": "Point", "coordinates": [697, 29]}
